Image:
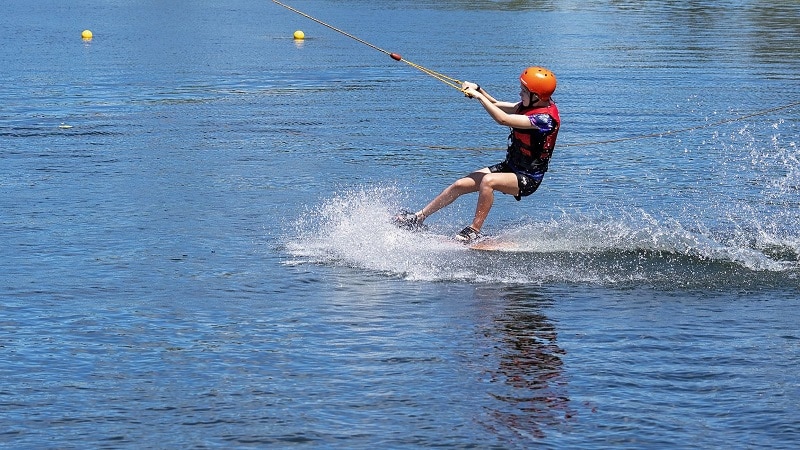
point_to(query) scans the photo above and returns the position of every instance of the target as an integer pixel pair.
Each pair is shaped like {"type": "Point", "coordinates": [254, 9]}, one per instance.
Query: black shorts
{"type": "Point", "coordinates": [528, 183]}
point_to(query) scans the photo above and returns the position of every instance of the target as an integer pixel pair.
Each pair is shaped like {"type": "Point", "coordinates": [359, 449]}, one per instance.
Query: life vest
{"type": "Point", "coordinates": [529, 150]}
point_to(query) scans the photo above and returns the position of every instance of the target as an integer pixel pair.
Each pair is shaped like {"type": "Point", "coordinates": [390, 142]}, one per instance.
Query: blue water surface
{"type": "Point", "coordinates": [196, 247]}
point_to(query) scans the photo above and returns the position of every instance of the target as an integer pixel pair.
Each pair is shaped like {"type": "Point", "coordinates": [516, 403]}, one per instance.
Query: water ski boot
{"type": "Point", "coordinates": [468, 235]}
{"type": "Point", "coordinates": [408, 220]}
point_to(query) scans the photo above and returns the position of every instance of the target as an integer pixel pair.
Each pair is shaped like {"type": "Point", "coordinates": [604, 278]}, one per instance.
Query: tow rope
{"type": "Point", "coordinates": [450, 81]}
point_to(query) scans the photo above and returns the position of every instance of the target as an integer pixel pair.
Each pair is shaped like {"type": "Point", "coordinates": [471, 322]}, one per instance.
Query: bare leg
{"type": "Point", "coordinates": [462, 186]}
{"type": "Point", "coordinates": [481, 181]}
{"type": "Point", "coordinates": [503, 182]}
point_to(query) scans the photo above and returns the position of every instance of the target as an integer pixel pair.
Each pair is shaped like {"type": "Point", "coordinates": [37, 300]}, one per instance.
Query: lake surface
{"type": "Point", "coordinates": [196, 251]}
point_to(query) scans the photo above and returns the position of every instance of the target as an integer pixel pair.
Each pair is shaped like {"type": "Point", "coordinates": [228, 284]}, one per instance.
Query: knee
{"type": "Point", "coordinates": [489, 182]}
{"type": "Point", "coordinates": [463, 185]}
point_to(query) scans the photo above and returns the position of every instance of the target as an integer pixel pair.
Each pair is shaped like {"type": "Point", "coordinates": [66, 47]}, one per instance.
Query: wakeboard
{"type": "Point", "coordinates": [494, 244]}
{"type": "Point", "coordinates": [484, 243]}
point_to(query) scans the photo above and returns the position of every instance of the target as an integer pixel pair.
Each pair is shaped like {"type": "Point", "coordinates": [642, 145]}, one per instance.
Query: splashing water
{"type": "Point", "coordinates": [767, 217]}
{"type": "Point", "coordinates": [354, 229]}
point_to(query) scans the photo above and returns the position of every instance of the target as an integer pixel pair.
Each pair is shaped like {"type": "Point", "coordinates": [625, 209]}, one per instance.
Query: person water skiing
{"type": "Point", "coordinates": [534, 123]}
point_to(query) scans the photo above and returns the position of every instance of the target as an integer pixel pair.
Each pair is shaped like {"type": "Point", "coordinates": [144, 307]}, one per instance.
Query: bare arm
{"type": "Point", "coordinates": [505, 106]}
{"type": "Point", "coordinates": [501, 112]}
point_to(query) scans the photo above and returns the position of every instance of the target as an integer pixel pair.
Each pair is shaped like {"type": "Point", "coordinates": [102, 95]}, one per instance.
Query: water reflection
{"type": "Point", "coordinates": [765, 30]}
{"type": "Point", "coordinates": [529, 380]}
{"type": "Point", "coordinates": [776, 31]}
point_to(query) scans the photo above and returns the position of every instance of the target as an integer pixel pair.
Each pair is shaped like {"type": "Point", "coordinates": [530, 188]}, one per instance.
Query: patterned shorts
{"type": "Point", "coordinates": [528, 183]}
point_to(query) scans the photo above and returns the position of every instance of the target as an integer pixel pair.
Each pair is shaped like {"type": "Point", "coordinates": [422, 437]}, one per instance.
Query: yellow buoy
{"type": "Point", "coordinates": [299, 35]}
{"type": "Point", "coordinates": [87, 34]}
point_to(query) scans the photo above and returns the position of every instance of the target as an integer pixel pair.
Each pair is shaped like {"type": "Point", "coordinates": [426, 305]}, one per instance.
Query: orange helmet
{"type": "Point", "coordinates": [539, 80]}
